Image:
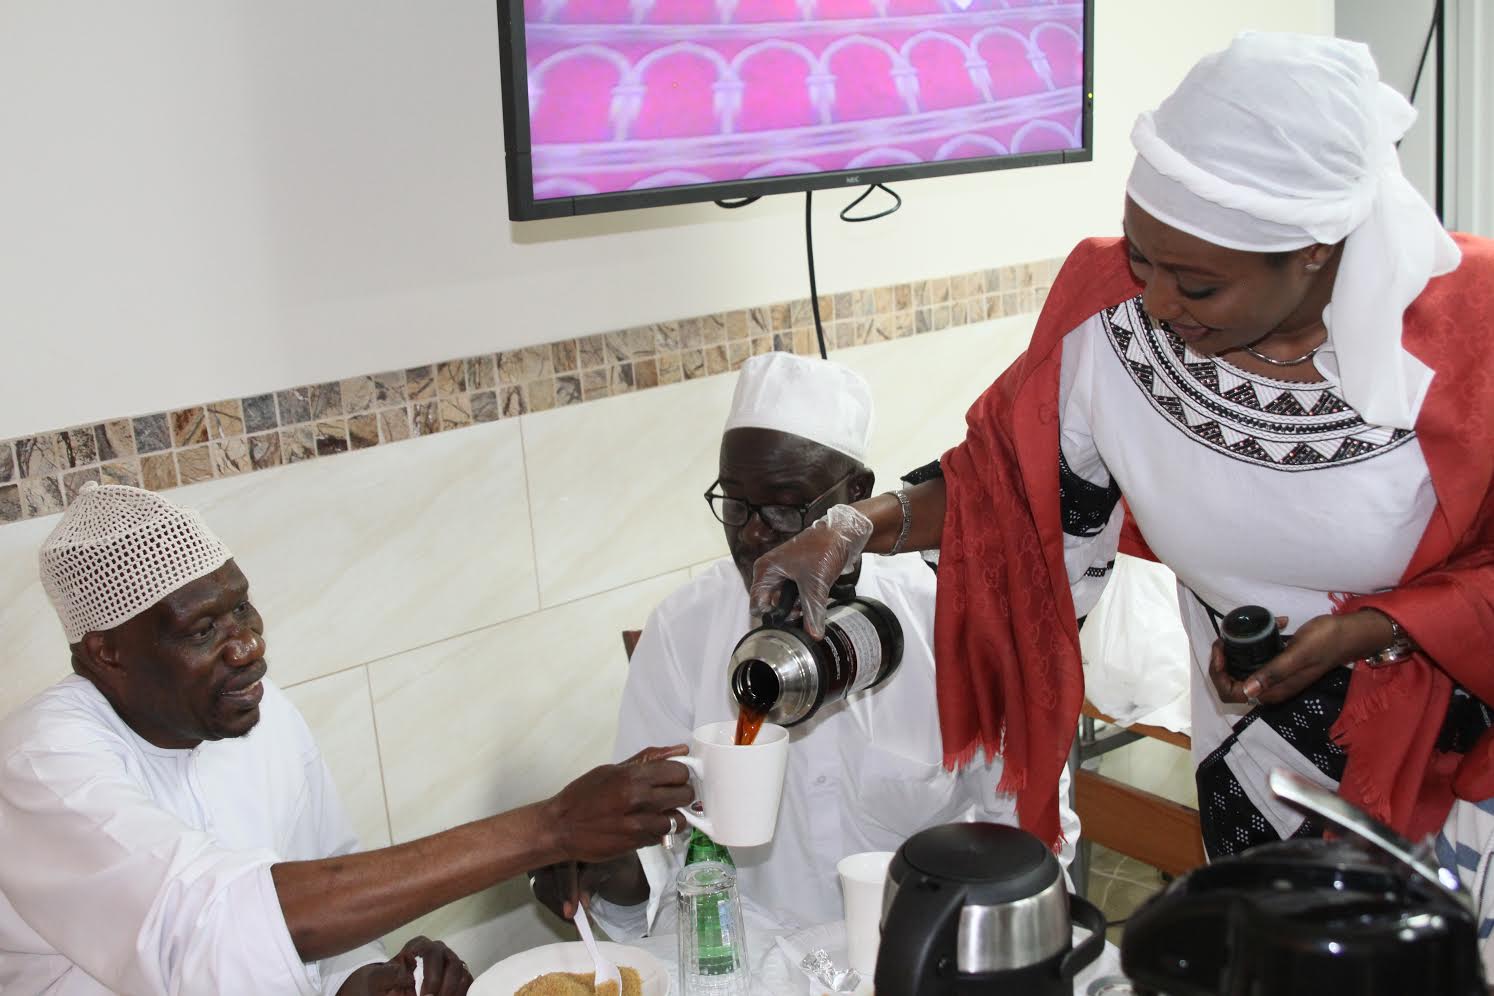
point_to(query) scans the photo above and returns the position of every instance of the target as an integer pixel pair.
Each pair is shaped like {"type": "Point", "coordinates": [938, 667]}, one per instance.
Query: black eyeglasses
{"type": "Point", "coordinates": [735, 512]}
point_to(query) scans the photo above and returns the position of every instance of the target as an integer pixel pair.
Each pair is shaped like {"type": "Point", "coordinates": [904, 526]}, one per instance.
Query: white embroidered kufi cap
{"type": "Point", "coordinates": [118, 551]}
{"type": "Point", "coordinates": [815, 399]}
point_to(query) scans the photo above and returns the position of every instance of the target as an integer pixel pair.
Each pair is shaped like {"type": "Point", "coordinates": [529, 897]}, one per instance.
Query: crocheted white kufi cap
{"type": "Point", "coordinates": [118, 551]}
{"type": "Point", "coordinates": [816, 399]}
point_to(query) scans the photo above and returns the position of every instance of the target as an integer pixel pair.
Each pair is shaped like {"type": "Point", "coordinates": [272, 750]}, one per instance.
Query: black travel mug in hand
{"type": "Point", "coordinates": [1251, 638]}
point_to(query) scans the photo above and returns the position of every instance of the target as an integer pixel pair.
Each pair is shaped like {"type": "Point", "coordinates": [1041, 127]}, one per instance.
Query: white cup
{"type": "Point", "coordinates": [738, 787]}
{"type": "Point", "coordinates": [863, 877]}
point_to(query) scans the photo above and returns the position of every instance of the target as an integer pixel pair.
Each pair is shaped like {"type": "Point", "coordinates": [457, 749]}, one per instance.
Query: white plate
{"type": "Point", "coordinates": [505, 978]}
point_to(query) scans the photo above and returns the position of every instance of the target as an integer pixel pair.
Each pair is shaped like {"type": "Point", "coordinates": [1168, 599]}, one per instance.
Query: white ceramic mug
{"type": "Point", "coordinates": [863, 877]}
{"type": "Point", "coordinates": [738, 787]}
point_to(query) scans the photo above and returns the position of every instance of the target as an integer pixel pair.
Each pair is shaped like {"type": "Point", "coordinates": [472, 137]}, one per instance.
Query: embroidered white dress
{"type": "Point", "coordinates": [1254, 491]}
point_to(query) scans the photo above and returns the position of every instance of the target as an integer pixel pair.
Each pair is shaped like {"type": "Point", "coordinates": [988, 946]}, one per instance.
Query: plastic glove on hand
{"type": "Point", "coordinates": [813, 560]}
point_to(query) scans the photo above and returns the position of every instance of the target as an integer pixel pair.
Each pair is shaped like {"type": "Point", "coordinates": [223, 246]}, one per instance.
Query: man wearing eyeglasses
{"type": "Point", "coordinates": [864, 774]}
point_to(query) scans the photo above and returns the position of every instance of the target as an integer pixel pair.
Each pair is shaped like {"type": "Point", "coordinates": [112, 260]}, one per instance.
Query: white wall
{"type": "Point", "coordinates": [1396, 31]}
{"type": "Point", "coordinates": [1472, 147]}
{"type": "Point", "coordinates": [220, 198]}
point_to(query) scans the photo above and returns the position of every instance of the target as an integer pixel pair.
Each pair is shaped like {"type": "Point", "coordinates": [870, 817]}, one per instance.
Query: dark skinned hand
{"type": "Point", "coordinates": [561, 886]}
{"type": "Point", "coordinates": [444, 974]}
{"type": "Point", "coordinates": [618, 808]}
{"type": "Point", "coordinates": [1319, 645]}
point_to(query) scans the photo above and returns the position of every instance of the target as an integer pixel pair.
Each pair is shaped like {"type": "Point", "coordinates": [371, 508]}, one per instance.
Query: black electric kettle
{"type": "Point", "coordinates": [1366, 914]}
{"type": "Point", "coordinates": [978, 909]}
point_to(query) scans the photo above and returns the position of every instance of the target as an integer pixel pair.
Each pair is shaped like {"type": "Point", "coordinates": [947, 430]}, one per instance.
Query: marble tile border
{"type": "Point", "coordinates": [41, 474]}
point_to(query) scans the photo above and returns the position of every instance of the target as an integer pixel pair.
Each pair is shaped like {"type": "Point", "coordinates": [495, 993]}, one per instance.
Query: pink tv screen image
{"type": "Point", "coordinates": [637, 95]}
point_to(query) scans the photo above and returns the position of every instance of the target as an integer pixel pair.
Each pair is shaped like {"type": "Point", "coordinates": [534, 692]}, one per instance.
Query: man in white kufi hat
{"type": "Point", "coordinates": [169, 824]}
{"type": "Point", "coordinates": [860, 778]}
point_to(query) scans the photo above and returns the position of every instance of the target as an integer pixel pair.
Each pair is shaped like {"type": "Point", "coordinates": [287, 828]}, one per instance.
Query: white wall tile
{"type": "Point", "coordinates": [923, 386]}
{"type": "Point", "coordinates": [367, 554]}
{"type": "Point", "coordinates": [696, 570]}
{"type": "Point", "coordinates": [35, 650]}
{"type": "Point", "coordinates": [616, 486]}
{"type": "Point", "coordinates": [339, 710]}
{"type": "Point", "coordinates": [502, 717]}
{"type": "Point", "coordinates": [497, 719]}
{"type": "Point", "coordinates": [488, 927]}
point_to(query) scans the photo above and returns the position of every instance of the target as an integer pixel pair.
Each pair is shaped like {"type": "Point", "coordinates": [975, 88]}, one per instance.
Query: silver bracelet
{"type": "Point", "coordinates": [1400, 647]}
{"type": "Point", "coordinates": [902, 537]}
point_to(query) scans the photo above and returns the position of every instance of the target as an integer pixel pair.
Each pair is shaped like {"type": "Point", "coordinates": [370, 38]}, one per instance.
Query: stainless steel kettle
{"type": "Point", "coordinates": [979, 909]}
{"type": "Point", "coordinates": [782, 673]}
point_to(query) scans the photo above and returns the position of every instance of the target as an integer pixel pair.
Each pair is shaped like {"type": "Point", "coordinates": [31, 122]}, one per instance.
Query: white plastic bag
{"type": "Point", "coordinates": [1136, 656]}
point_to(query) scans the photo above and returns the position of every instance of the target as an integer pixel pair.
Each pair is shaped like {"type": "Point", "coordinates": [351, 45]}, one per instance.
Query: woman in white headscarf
{"type": "Point", "coordinates": [1284, 368]}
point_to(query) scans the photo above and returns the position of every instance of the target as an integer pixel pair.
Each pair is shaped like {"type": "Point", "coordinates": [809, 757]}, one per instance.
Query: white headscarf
{"type": "Point", "coordinates": [1282, 141]}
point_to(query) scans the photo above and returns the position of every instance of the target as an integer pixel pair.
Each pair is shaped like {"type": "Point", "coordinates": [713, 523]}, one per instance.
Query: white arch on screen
{"type": "Point", "coordinates": [1041, 125]}
{"type": "Point", "coordinates": [537, 74]}
{"type": "Point", "coordinates": [563, 186]}
{"type": "Point", "coordinates": [931, 35]}
{"type": "Point", "coordinates": [819, 84]}
{"type": "Point", "coordinates": [1058, 26]}
{"type": "Point", "coordinates": [723, 68]}
{"type": "Point", "coordinates": [985, 143]}
{"type": "Point", "coordinates": [905, 77]}
{"type": "Point", "coordinates": [1036, 58]}
{"type": "Point", "coordinates": [627, 100]}
{"type": "Point", "coordinates": [779, 44]}
{"type": "Point", "coordinates": [880, 155]}
{"type": "Point", "coordinates": [783, 167]}
{"type": "Point", "coordinates": [536, 77]}
{"type": "Point", "coordinates": [975, 66]}
{"type": "Point", "coordinates": [670, 178]}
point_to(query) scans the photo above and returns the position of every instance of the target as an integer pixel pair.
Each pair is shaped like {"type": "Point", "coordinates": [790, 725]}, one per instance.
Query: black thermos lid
{"type": "Point", "coordinates": [1251, 638]}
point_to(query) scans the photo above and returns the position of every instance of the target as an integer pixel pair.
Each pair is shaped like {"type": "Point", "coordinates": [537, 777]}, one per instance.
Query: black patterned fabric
{"type": "Point", "coordinates": [1085, 507]}
{"type": "Point", "coordinates": [1277, 424]}
{"type": "Point", "coordinates": [928, 472]}
{"type": "Point", "coordinates": [1231, 823]}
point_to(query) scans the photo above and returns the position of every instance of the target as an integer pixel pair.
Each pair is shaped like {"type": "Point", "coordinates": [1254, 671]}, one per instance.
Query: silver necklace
{"type": "Point", "coordinates": [1283, 363]}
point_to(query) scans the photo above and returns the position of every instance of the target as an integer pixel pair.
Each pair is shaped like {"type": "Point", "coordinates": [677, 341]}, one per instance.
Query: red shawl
{"type": "Point", "coordinates": [1006, 639]}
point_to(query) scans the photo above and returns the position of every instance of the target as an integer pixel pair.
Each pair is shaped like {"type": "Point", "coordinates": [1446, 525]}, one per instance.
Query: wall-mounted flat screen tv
{"type": "Point", "coordinates": [617, 104]}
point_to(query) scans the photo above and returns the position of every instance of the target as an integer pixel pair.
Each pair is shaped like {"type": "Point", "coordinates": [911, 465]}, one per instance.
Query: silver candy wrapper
{"type": "Point", "coordinates": [818, 966]}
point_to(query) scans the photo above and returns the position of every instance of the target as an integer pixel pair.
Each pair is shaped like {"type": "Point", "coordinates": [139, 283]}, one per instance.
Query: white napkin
{"type": "Point", "coordinates": [419, 974]}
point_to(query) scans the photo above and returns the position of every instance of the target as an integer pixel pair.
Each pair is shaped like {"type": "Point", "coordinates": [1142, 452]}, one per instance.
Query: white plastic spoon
{"type": "Point", "coordinates": [605, 970]}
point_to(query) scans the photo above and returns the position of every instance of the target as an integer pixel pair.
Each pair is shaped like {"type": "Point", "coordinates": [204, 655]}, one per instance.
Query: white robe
{"type": "Point", "coordinates": [863, 775]}
{"type": "Point", "coordinates": [128, 868]}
